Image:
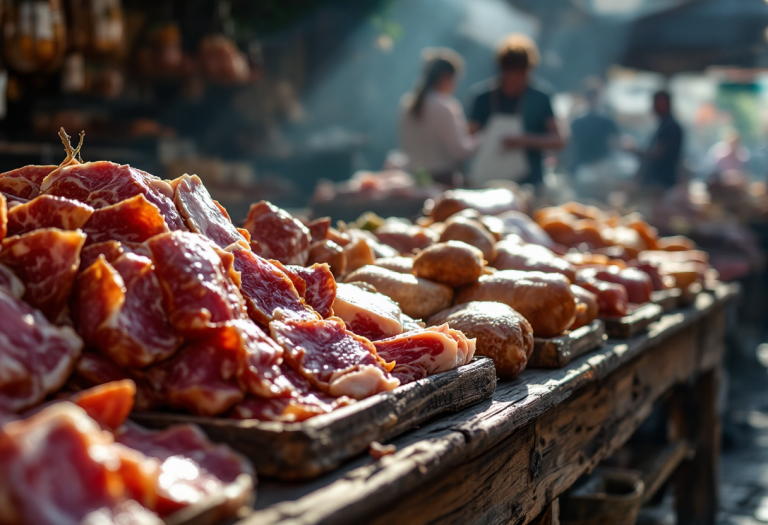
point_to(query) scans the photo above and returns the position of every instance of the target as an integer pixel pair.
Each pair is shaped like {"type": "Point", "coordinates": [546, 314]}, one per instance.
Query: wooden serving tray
{"type": "Point", "coordinates": [556, 352]}
{"type": "Point", "coordinates": [305, 450]}
{"type": "Point", "coordinates": [668, 299]}
{"type": "Point", "coordinates": [634, 323]}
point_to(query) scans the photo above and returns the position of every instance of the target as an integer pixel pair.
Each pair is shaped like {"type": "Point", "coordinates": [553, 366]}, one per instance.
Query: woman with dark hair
{"type": "Point", "coordinates": [433, 129]}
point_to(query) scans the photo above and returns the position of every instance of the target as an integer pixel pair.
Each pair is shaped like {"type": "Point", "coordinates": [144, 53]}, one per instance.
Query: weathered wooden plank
{"type": "Point", "coordinates": [434, 452]}
{"type": "Point", "coordinates": [557, 352]}
{"type": "Point", "coordinates": [550, 515]}
{"type": "Point", "coordinates": [308, 449]}
{"type": "Point", "coordinates": [634, 323]}
{"type": "Point", "coordinates": [658, 469]}
{"type": "Point", "coordinates": [667, 299]}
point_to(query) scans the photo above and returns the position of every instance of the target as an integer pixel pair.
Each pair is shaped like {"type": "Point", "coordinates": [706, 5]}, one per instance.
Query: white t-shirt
{"type": "Point", "coordinates": [438, 140]}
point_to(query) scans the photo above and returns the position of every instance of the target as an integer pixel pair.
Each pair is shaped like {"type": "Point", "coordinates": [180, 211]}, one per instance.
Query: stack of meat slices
{"type": "Point", "coordinates": [109, 273]}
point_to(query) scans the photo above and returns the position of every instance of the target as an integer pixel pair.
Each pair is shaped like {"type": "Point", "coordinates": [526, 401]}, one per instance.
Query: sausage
{"type": "Point", "coordinates": [453, 263]}
{"type": "Point", "coordinates": [531, 258]}
{"type": "Point", "coordinates": [471, 232]}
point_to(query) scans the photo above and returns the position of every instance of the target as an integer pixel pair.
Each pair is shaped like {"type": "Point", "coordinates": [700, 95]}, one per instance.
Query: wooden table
{"type": "Point", "coordinates": [508, 459]}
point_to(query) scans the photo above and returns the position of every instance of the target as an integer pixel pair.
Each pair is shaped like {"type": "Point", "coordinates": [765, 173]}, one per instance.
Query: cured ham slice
{"type": "Point", "coordinates": [93, 369]}
{"type": "Point", "coordinates": [11, 284]}
{"type": "Point", "coordinates": [319, 229]}
{"type": "Point", "coordinates": [3, 217]}
{"type": "Point", "coordinates": [46, 261]}
{"type": "Point", "coordinates": [36, 357]}
{"type": "Point", "coordinates": [277, 234]}
{"type": "Point", "coordinates": [132, 220]}
{"type": "Point", "coordinates": [198, 282]}
{"type": "Point", "coordinates": [320, 287]}
{"type": "Point", "coordinates": [118, 309]}
{"type": "Point", "coordinates": [334, 360]}
{"type": "Point", "coordinates": [202, 214]}
{"type": "Point", "coordinates": [425, 352]}
{"type": "Point", "coordinates": [108, 404]}
{"type": "Point", "coordinates": [24, 182]}
{"type": "Point", "coordinates": [368, 314]}
{"type": "Point", "coordinates": [111, 250]}
{"type": "Point", "coordinates": [47, 211]}
{"type": "Point", "coordinates": [266, 289]}
{"type": "Point", "coordinates": [103, 183]}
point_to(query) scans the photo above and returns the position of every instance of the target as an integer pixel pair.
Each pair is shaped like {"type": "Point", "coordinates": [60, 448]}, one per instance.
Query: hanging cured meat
{"type": "Point", "coordinates": [369, 314]}
{"type": "Point", "coordinates": [103, 183]}
{"type": "Point", "coordinates": [266, 288]}
{"type": "Point", "coordinates": [36, 357]}
{"type": "Point", "coordinates": [198, 282]}
{"type": "Point", "coordinates": [24, 182]}
{"type": "Point", "coordinates": [277, 235]}
{"type": "Point", "coordinates": [425, 352]}
{"type": "Point", "coordinates": [202, 214]}
{"type": "Point", "coordinates": [118, 309]}
{"type": "Point", "coordinates": [46, 261]}
{"type": "Point", "coordinates": [335, 360]}
{"type": "Point", "coordinates": [132, 220]}
{"type": "Point", "coordinates": [47, 211]}
{"type": "Point", "coordinates": [320, 287]}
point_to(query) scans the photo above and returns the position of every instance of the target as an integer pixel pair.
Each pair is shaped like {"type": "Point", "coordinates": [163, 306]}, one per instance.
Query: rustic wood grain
{"type": "Point", "coordinates": [550, 515]}
{"type": "Point", "coordinates": [305, 450]}
{"type": "Point", "coordinates": [634, 323]}
{"type": "Point", "coordinates": [667, 299]}
{"type": "Point", "coordinates": [658, 469]}
{"type": "Point", "coordinates": [506, 458]}
{"type": "Point", "coordinates": [556, 352]}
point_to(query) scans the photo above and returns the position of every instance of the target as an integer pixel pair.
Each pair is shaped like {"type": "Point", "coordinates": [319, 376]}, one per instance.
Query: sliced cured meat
{"type": "Point", "coordinates": [266, 288]}
{"type": "Point", "coordinates": [103, 183]}
{"type": "Point", "coordinates": [11, 284]}
{"type": "Point", "coordinates": [587, 307]}
{"type": "Point", "coordinates": [531, 258]}
{"type": "Point", "coordinates": [202, 214]}
{"type": "Point", "coordinates": [118, 309]}
{"type": "Point", "coordinates": [24, 182]}
{"type": "Point", "coordinates": [36, 357]}
{"type": "Point", "coordinates": [133, 220]}
{"type": "Point", "coordinates": [319, 229]}
{"type": "Point", "coordinates": [612, 298]}
{"type": "Point", "coordinates": [327, 251]}
{"type": "Point", "coordinates": [405, 238]}
{"type": "Point", "coordinates": [191, 468]}
{"type": "Point", "coordinates": [108, 404]}
{"type": "Point", "coordinates": [335, 360]}
{"type": "Point", "coordinates": [47, 211]}
{"type": "Point", "coordinates": [320, 287]}
{"type": "Point", "coordinates": [277, 234]}
{"type": "Point", "coordinates": [3, 217]}
{"type": "Point", "coordinates": [46, 261]}
{"type": "Point", "coordinates": [93, 369]}
{"type": "Point", "coordinates": [637, 283]}
{"type": "Point", "coordinates": [425, 352]}
{"type": "Point", "coordinates": [198, 282]}
{"type": "Point", "coordinates": [298, 283]}
{"type": "Point", "coordinates": [111, 250]}
{"type": "Point", "coordinates": [371, 315]}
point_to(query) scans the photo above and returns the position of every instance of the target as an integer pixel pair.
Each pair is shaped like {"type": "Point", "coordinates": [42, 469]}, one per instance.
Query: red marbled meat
{"type": "Point", "coordinates": [93, 369]}
{"type": "Point", "coordinates": [103, 183]}
{"type": "Point", "coordinates": [108, 404]}
{"type": "Point", "coordinates": [118, 309]}
{"type": "Point", "coordinates": [318, 229]}
{"type": "Point", "coordinates": [369, 314]}
{"type": "Point", "coordinates": [36, 357]}
{"type": "Point", "coordinates": [266, 288]}
{"type": "Point", "coordinates": [335, 360]}
{"type": "Point", "coordinates": [612, 298]}
{"type": "Point", "coordinates": [24, 182]}
{"type": "Point", "coordinates": [11, 284]}
{"type": "Point", "coordinates": [47, 211]}
{"type": "Point", "coordinates": [202, 214]}
{"type": "Point", "coordinates": [198, 282]}
{"type": "Point", "coordinates": [3, 217]}
{"type": "Point", "coordinates": [46, 261]}
{"type": "Point", "coordinates": [133, 220]}
{"type": "Point", "coordinates": [277, 235]}
{"type": "Point", "coordinates": [111, 250]}
{"type": "Point", "coordinates": [425, 352]}
{"type": "Point", "coordinates": [320, 289]}
{"type": "Point", "coordinates": [637, 283]}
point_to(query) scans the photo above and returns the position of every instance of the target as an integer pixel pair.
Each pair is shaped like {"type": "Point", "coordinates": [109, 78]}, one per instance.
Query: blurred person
{"type": "Point", "coordinates": [728, 155]}
{"type": "Point", "coordinates": [660, 163]}
{"type": "Point", "coordinates": [433, 129]}
{"type": "Point", "coordinates": [511, 102]}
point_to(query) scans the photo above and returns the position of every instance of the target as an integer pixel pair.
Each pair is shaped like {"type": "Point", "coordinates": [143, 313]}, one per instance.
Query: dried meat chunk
{"type": "Point", "coordinates": [266, 289]}
{"type": "Point", "coordinates": [118, 309]}
{"type": "Point", "coordinates": [425, 352]}
{"type": "Point", "coordinates": [277, 234]}
{"type": "Point", "coordinates": [369, 314]}
{"type": "Point", "coordinates": [103, 183]}
{"type": "Point", "coordinates": [198, 281]}
{"type": "Point", "coordinates": [11, 284]}
{"type": "Point", "coordinates": [319, 229]}
{"type": "Point", "coordinates": [202, 214]}
{"type": "Point", "coordinates": [320, 289]}
{"type": "Point", "coordinates": [93, 369]}
{"type": "Point", "coordinates": [36, 357]}
{"type": "Point", "coordinates": [47, 211]}
{"type": "Point", "coordinates": [108, 404]}
{"type": "Point", "coordinates": [132, 220]}
{"type": "Point", "coordinates": [24, 182]}
{"type": "Point", "coordinates": [111, 250]}
{"type": "Point", "coordinates": [46, 261]}
{"type": "Point", "coordinates": [637, 283]}
{"type": "Point", "coordinates": [335, 360]}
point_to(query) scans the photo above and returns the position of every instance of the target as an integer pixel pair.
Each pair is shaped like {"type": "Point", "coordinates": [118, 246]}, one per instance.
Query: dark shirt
{"type": "Point", "coordinates": [660, 169]}
{"type": "Point", "coordinates": [536, 110]}
{"type": "Point", "coordinates": [590, 138]}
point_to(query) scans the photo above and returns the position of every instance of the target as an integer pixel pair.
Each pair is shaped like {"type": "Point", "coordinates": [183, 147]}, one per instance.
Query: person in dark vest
{"type": "Point", "coordinates": [660, 163]}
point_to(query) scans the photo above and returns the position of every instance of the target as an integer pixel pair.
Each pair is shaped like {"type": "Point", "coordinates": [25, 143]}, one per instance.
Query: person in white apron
{"type": "Point", "coordinates": [516, 119]}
